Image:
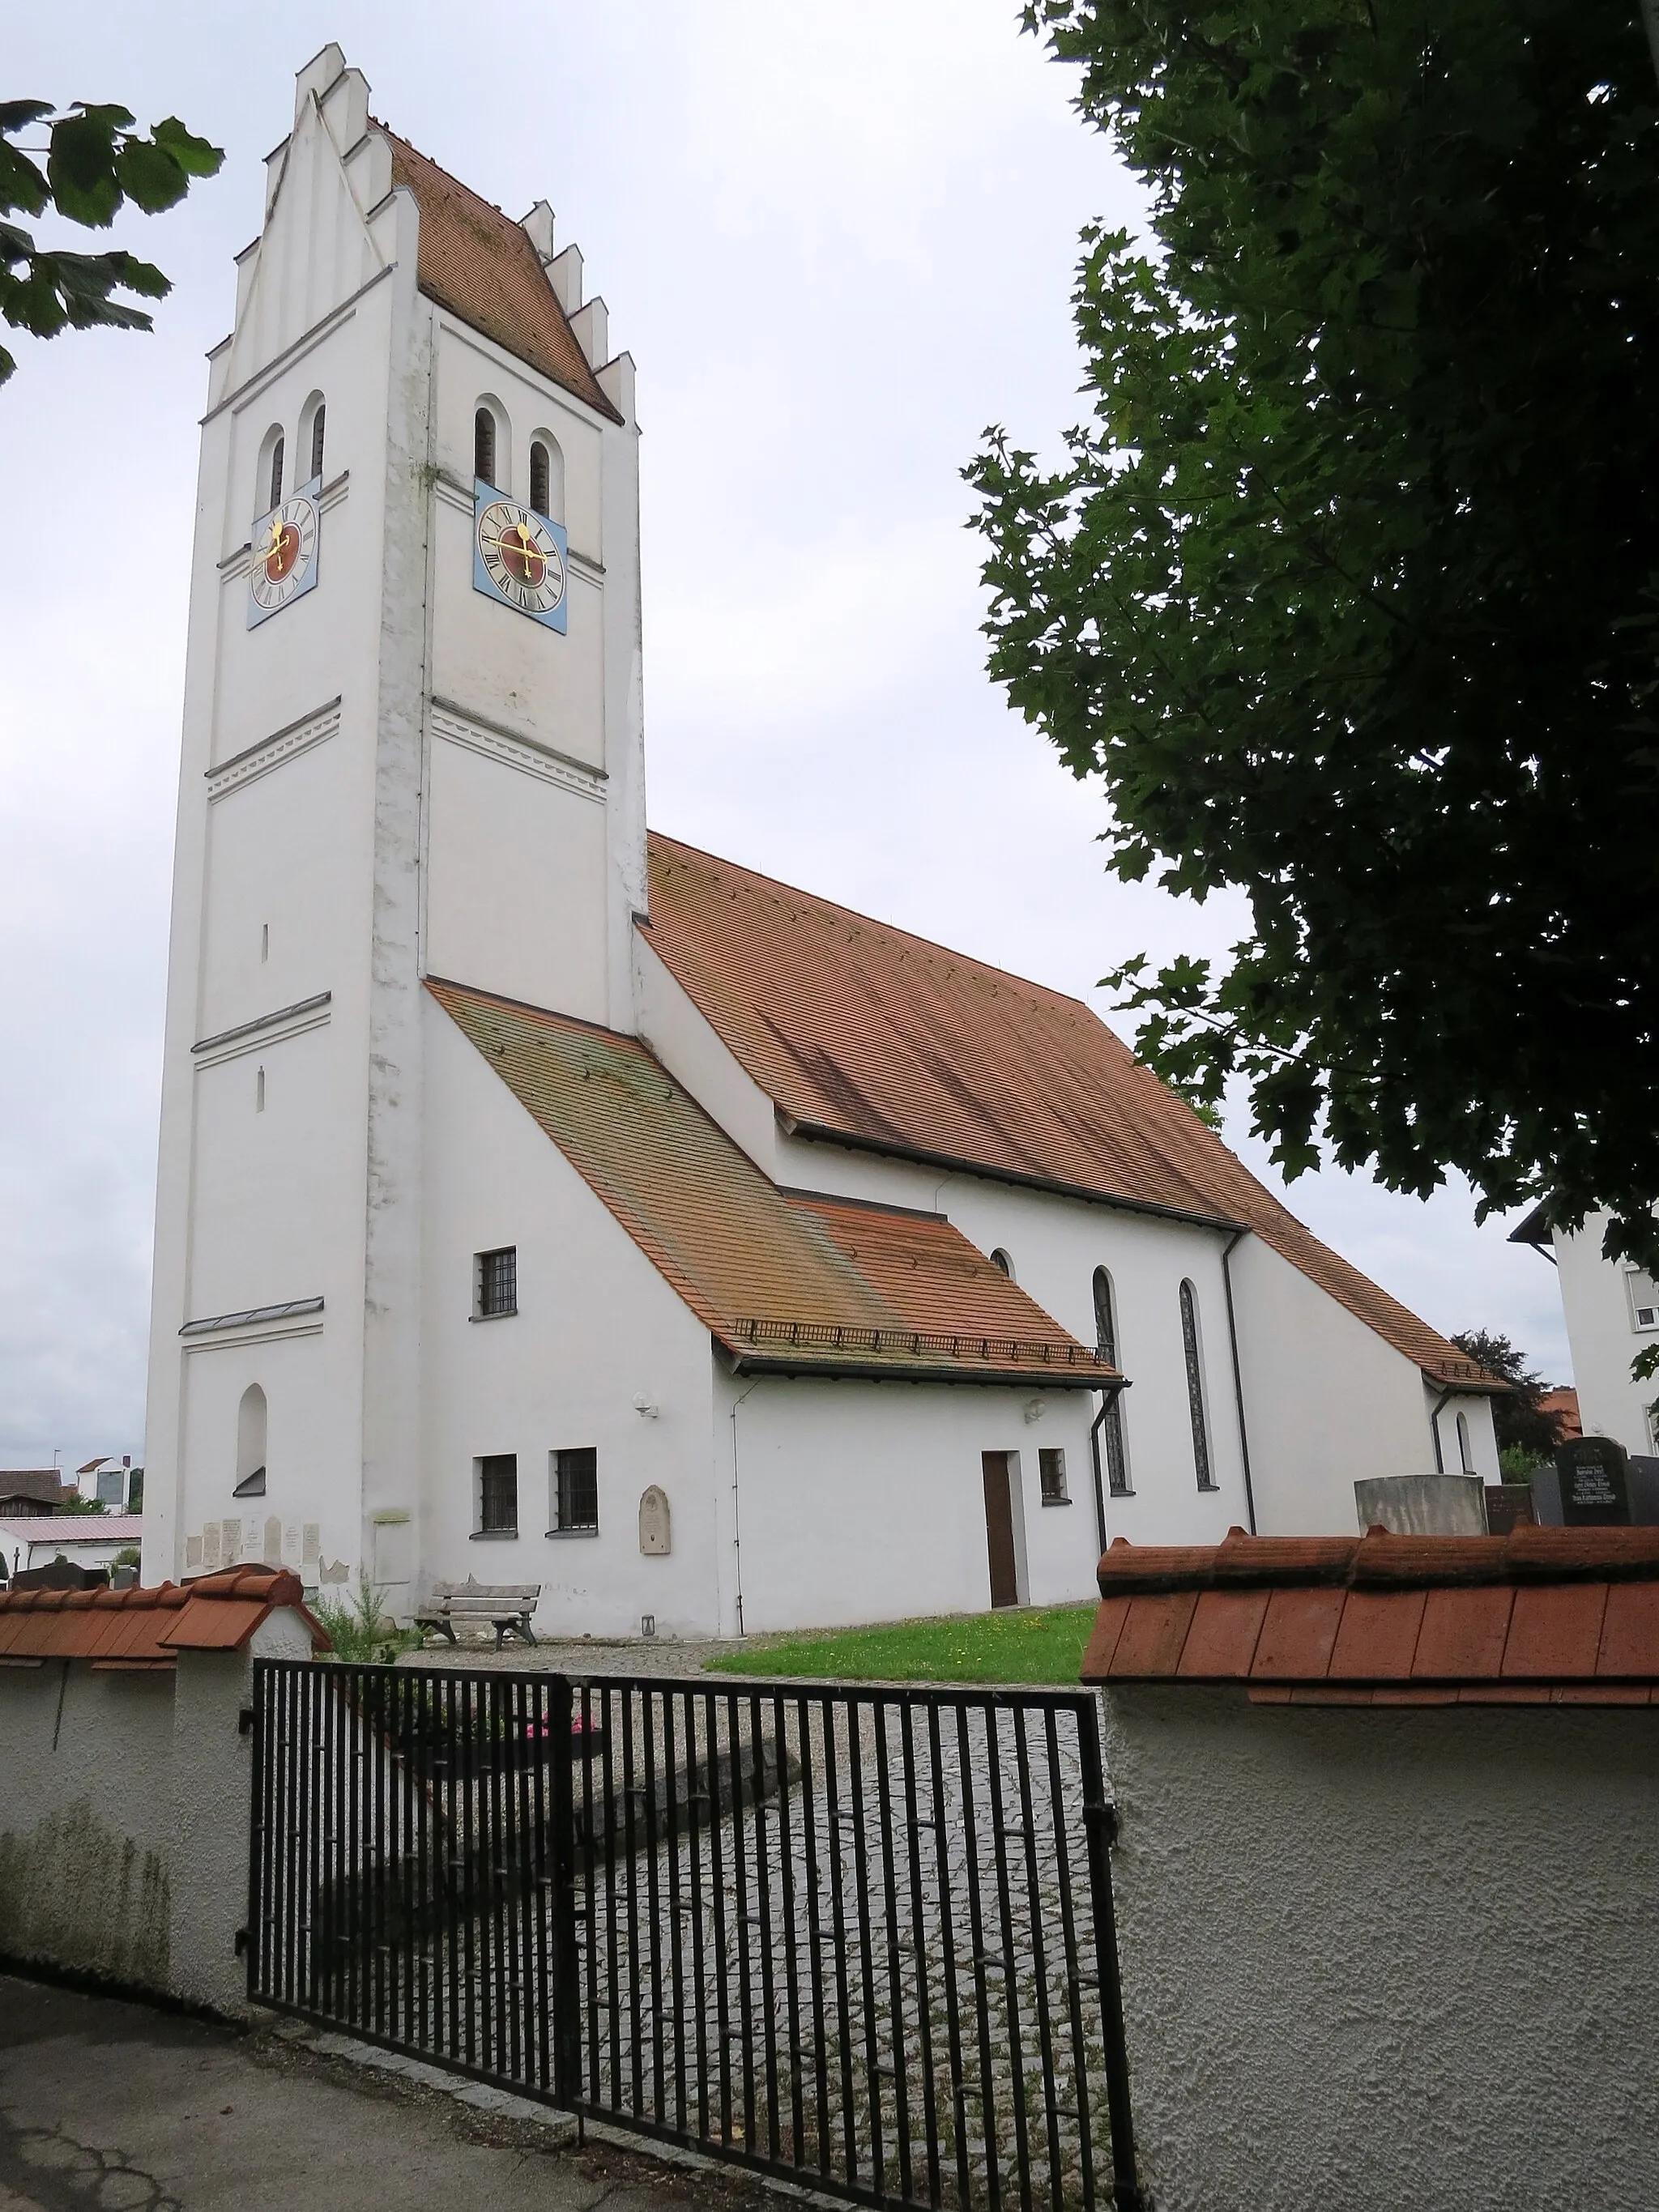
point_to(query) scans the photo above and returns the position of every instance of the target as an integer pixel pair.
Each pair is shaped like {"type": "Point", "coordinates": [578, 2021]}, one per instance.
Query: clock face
{"type": "Point", "coordinates": [520, 557]}
{"type": "Point", "coordinates": [283, 560]}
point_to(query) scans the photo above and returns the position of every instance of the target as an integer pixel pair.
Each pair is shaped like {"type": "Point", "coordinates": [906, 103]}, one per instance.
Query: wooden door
{"type": "Point", "coordinates": [1000, 1528]}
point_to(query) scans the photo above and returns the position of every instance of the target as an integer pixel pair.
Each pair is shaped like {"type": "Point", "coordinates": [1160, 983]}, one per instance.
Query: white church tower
{"type": "Point", "coordinates": [412, 747]}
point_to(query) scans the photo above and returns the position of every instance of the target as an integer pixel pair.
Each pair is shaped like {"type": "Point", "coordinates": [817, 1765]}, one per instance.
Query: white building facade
{"type": "Point", "coordinates": [548, 1202]}
{"type": "Point", "coordinates": [1612, 1311]}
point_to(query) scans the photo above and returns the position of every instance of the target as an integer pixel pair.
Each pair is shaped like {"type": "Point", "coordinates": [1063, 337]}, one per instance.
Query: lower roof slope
{"type": "Point", "coordinates": [863, 1033]}
{"type": "Point", "coordinates": [784, 1281]}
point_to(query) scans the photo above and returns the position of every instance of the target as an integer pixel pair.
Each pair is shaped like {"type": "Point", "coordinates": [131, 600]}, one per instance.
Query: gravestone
{"type": "Point", "coordinates": [656, 1523]}
{"type": "Point", "coordinates": [61, 1574]}
{"type": "Point", "coordinates": [1594, 1493]}
{"type": "Point", "coordinates": [1423, 1505]}
{"type": "Point", "coordinates": [1510, 1506]}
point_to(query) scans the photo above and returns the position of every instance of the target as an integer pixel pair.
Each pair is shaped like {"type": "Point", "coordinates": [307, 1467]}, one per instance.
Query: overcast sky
{"type": "Point", "coordinates": [838, 242]}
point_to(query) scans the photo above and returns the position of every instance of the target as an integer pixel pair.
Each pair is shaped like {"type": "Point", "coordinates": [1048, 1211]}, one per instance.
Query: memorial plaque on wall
{"type": "Point", "coordinates": [1594, 1490]}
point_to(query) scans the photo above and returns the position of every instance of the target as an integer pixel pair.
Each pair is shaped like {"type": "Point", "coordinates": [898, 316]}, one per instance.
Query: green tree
{"type": "Point", "coordinates": [1522, 1424]}
{"type": "Point", "coordinates": [95, 162]}
{"type": "Point", "coordinates": [1347, 586]}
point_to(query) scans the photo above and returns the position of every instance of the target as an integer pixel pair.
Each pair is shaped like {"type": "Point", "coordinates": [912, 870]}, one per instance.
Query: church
{"type": "Point", "coordinates": [543, 1200]}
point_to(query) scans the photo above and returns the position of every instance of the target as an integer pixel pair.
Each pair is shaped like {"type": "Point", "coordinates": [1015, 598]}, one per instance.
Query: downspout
{"type": "Point", "coordinates": [1238, 1376]}
{"type": "Point", "coordinates": [737, 1532]}
{"type": "Point", "coordinates": [1108, 1398]}
{"type": "Point", "coordinates": [1434, 1429]}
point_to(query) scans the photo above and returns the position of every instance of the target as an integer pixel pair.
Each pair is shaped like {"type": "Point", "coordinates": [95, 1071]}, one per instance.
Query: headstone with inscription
{"type": "Point", "coordinates": [1594, 1493]}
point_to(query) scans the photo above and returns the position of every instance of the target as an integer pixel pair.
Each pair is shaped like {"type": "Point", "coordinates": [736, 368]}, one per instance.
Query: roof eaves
{"type": "Point", "coordinates": [837, 1370]}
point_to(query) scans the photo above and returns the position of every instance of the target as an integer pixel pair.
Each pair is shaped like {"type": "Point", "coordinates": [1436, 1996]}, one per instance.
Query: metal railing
{"type": "Point", "coordinates": [859, 1937]}
{"type": "Point", "coordinates": [837, 1336]}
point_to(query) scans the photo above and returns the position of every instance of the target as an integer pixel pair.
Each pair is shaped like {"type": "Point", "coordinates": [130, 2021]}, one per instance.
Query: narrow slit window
{"type": "Point", "coordinates": [498, 1494]}
{"type": "Point", "coordinates": [265, 940]}
{"type": "Point", "coordinates": [1465, 1456]}
{"type": "Point", "coordinates": [250, 1418]}
{"type": "Point", "coordinates": [1117, 1460]}
{"type": "Point", "coordinates": [495, 1283]}
{"type": "Point", "coordinates": [317, 427]}
{"type": "Point", "coordinates": [541, 478]}
{"type": "Point", "coordinates": [483, 445]}
{"type": "Point", "coordinates": [1195, 1387]}
{"type": "Point", "coordinates": [259, 1091]}
{"type": "Point", "coordinates": [276, 486]}
{"type": "Point", "coordinates": [576, 1489]}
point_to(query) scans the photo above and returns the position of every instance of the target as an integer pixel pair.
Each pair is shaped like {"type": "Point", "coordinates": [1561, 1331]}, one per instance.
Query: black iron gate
{"type": "Point", "coordinates": [859, 1937]}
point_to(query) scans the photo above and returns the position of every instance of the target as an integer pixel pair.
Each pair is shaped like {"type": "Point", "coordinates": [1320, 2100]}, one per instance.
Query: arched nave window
{"type": "Point", "coordinates": [1117, 1457]}
{"type": "Point", "coordinates": [1189, 1345]}
{"type": "Point", "coordinates": [251, 1443]}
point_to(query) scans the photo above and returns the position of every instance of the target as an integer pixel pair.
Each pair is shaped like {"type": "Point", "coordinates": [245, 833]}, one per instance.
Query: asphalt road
{"type": "Point", "coordinates": [107, 2106]}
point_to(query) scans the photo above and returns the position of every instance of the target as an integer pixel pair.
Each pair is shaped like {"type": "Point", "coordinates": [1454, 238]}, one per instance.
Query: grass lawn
{"type": "Point", "coordinates": [1029, 1644]}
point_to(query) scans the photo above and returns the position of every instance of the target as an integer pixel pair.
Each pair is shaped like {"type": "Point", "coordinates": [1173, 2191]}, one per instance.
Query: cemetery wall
{"type": "Point", "coordinates": [1377, 1956]}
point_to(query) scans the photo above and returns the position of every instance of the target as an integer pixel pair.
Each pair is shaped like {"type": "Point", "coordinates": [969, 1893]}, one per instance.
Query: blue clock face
{"type": "Point", "coordinates": [519, 557]}
{"type": "Point", "coordinates": [282, 559]}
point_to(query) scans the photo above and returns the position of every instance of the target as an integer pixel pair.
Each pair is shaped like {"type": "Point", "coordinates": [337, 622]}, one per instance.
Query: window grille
{"type": "Point", "coordinates": [317, 439]}
{"type": "Point", "coordinates": [1644, 1299]}
{"type": "Point", "coordinates": [1051, 1475]}
{"type": "Point", "coordinates": [275, 499]}
{"type": "Point", "coordinates": [1195, 1387]}
{"type": "Point", "coordinates": [498, 1494]}
{"type": "Point", "coordinates": [497, 1285]}
{"type": "Point", "coordinates": [1117, 1459]}
{"type": "Point", "coordinates": [540, 479]}
{"type": "Point", "coordinates": [483, 445]}
{"type": "Point", "coordinates": [576, 1488]}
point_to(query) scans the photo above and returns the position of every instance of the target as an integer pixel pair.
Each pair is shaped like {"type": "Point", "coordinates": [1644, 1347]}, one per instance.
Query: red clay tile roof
{"type": "Point", "coordinates": [1566, 1616]}
{"type": "Point", "coordinates": [479, 263]}
{"type": "Point", "coordinates": [781, 1279]}
{"type": "Point", "coordinates": [861, 1032]}
{"type": "Point", "coordinates": [138, 1629]}
{"type": "Point", "coordinates": [1564, 1402]}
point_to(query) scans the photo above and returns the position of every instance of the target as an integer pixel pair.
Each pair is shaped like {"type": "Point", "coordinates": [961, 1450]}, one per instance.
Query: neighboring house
{"type": "Point", "coordinates": [30, 1490]}
{"type": "Point", "coordinates": [544, 1201]}
{"type": "Point", "coordinates": [86, 1539]}
{"type": "Point", "coordinates": [116, 1483]}
{"type": "Point", "coordinates": [1563, 1403]}
{"type": "Point", "coordinates": [1612, 1311]}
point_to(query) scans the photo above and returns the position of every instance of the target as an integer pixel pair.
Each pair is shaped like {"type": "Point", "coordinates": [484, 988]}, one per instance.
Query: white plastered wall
{"type": "Point", "coordinates": [853, 1501]}
{"type": "Point", "coordinates": [596, 1327]}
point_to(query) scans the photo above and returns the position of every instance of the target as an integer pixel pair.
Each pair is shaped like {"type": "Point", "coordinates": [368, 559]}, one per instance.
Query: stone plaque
{"type": "Point", "coordinates": [1594, 1490]}
{"type": "Point", "coordinates": [656, 1528]}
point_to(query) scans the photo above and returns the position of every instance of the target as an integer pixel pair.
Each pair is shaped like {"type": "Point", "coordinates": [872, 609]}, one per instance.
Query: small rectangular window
{"type": "Point", "coordinates": [1051, 1475]}
{"type": "Point", "coordinates": [496, 1282]}
{"type": "Point", "coordinates": [576, 1489]}
{"type": "Point", "coordinates": [498, 1494]}
{"type": "Point", "coordinates": [1644, 1299]}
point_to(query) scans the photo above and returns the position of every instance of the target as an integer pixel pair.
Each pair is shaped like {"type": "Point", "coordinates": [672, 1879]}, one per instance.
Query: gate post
{"type": "Point", "coordinates": [1098, 1822]}
{"type": "Point", "coordinates": [566, 1964]}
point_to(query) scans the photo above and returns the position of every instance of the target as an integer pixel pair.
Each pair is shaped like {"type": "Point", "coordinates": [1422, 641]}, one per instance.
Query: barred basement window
{"type": "Point", "coordinates": [1051, 1475]}
{"type": "Point", "coordinates": [575, 1489]}
{"type": "Point", "coordinates": [498, 1494]}
{"type": "Point", "coordinates": [1117, 1457]}
{"type": "Point", "coordinates": [483, 445]}
{"type": "Point", "coordinates": [495, 1283]}
{"type": "Point", "coordinates": [1195, 1388]}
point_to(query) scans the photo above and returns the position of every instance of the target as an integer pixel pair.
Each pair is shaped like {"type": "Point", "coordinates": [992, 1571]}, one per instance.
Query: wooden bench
{"type": "Point", "coordinates": [504, 1607]}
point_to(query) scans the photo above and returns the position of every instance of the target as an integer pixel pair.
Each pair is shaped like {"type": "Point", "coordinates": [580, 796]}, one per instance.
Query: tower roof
{"type": "Point", "coordinates": [863, 1034]}
{"type": "Point", "coordinates": [480, 264]}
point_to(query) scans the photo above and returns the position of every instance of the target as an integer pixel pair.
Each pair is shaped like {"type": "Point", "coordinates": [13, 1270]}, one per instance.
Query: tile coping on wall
{"type": "Point", "coordinates": [1544, 1616]}
{"type": "Point", "coordinates": [147, 1628]}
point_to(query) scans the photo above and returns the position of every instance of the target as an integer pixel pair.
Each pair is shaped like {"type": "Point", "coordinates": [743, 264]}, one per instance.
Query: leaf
{"type": "Point", "coordinates": [80, 167]}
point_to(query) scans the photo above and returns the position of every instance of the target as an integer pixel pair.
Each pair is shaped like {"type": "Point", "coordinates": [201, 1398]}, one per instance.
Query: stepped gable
{"type": "Point", "coordinates": [784, 1281]}
{"type": "Point", "coordinates": [479, 264]}
{"type": "Point", "coordinates": [862, 1033]}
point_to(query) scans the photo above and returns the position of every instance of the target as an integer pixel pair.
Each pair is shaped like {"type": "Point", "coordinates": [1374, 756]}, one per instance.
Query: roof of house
{"type": "Point", "coordinates": [480, 263]}
{"type": "Point", "coordinates": [864, 1034]}
{"type": "Point", "coordinates": [1563, 1402]}
{"type": "Point", "coordinates": [1566, 1616]}
{"type": "Point", "coordinates": [784, 1281]}
{"type": "Point", "coordinates": [144, 1630]}
{"type": "Point", "coordinates": [42, 1483]}
{"type": "Point", "coordinates": [75, 1528]}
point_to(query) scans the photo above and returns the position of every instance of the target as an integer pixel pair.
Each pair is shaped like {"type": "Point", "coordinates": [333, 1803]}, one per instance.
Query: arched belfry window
{"type": "Point", "coordinates": [251, 1443]}
{"type": "Point", "coordinates": [547, 477]}
{"type": "Point", "coordinates": [276, 486]}
{"type": "Point", "coordinates": [483, 445]}
{"type": "Point", "coordinates": [317, 429]}
{"type": "Point", "coordinates": [268, 479]}
{"type": "Point", "coordinates": [1189, 1344]}
{"type": "Point", "coordinates": [1117, 1458]}
{"type": "Point", "coordinates": [1465, 1455]}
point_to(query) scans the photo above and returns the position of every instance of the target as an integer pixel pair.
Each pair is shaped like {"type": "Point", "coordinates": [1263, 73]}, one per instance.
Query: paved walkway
{"type": "Point", "coordinates": [111, 2107]}
{"type": "Point", "coordinates": [586, 1655]}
